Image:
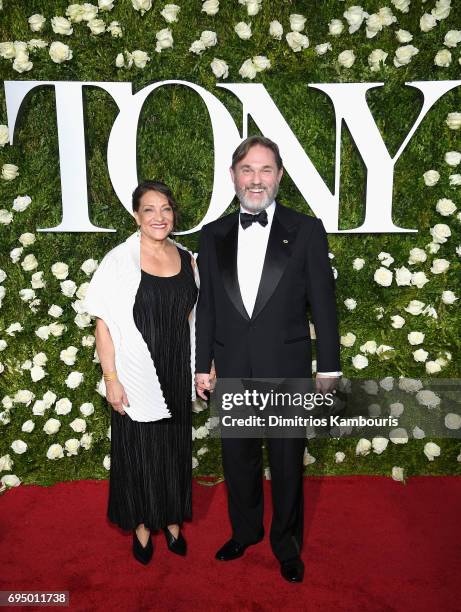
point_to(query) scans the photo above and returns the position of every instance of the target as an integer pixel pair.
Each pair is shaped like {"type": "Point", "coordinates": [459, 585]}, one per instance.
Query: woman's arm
{"type": "Point", "coordinates": [115, 393]}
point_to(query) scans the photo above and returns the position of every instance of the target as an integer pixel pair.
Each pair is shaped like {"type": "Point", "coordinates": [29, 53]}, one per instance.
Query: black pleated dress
{"type": "Point", "coordinates": [151, 462]}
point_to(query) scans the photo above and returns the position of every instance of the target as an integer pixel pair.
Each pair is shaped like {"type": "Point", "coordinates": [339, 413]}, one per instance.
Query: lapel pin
{"type": "Point", "coordinates": [285, 242]}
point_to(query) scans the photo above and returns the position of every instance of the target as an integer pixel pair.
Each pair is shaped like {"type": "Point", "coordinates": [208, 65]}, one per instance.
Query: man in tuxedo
{"type": "Point", "coordinates": [260, 269]}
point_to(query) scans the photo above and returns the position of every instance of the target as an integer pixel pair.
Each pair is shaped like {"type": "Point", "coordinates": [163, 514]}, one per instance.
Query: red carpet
{"type": "Point", "coordinates": [371, 544]}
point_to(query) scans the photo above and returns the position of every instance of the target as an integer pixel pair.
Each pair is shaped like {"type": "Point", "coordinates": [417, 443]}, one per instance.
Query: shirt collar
{"type": "Point", "coordinates": [270, 211]}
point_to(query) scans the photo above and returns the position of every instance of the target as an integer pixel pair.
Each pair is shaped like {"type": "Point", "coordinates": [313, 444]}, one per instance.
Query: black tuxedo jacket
{"type": "Point", "coordinates": [275, 341]}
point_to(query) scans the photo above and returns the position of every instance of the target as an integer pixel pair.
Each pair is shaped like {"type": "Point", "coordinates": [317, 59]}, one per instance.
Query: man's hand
{"type": "Point", "coordinates": [202, 384]}
{"type": "Point", "coordinates": [326, 384]}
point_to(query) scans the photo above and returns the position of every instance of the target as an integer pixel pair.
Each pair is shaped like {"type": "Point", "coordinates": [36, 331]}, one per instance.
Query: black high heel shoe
{"type": "Point", "coordinates": [176, 545]}
{"type": "Point", "coordinates": [141, 553]}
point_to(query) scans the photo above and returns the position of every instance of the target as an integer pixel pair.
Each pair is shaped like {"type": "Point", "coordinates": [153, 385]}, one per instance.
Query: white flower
{"type": "Point", "coordinates": [297, 41]}
{"type": "Point", "coordinates": [209, 38]}
{"type": "Point", "coordinates": [87, 409]}
{"type": "Point", "coordinates": [164, 40]}
{"type": "Point", "coordinates": [441, 10]}
{"type": "Point", "coordinates": [431, 450]}
{"type": "Point", "coordinates": [323, 48]}
{"type": "Point", "coordinates": [82, 320]}
{"type": "Point", "coordinates": [248, 69]}
{"type": "Point", "coordinates": [369, 347]}
{"type": "Point", "coordinates": [60, 270]}
{"type": "Point", "coordinates": [243, 30]}
{"type": "Point", "coordinates": [86, 440]}
{"type": "Point", "coordinates": [417, 256]}
{"type": "Point", "coordinates": [440, 233]}
{"type": "Point", "coordinates": [385, 258]}
{"type": "Point", "coordinates": [415, 337]}
{"type": "Point", "coordinates": [10, 480]}
{"type": "Point", "coordinates": [36, 22]}
{"type": "Point", "coordinates": [453, 158]}
{"type": "Point", "coordinates": [452, 38]}
{"type": "Point", "coordinates": [335, 27]}
{"type": "Point", "coordinates": [363, 447]}
{"type": "Point", "coordinates": [445, 206]}
{"type": "Point", "coordinates": [276, 29]}
{"type": "Point", "coordinates": [69, 355]}
{"type": "Point", "coordinates": [75, 12]}
{"type": "Point", "coordinates": [27, 239]}
{"type": "Point", "coordinates": [29, 262]}
{"type": "Point", "coordinates": [74, 380]}
{"type": "Point", "coordinates": [373, 25]}
{"type": "Point", "coordinates": [9, 172]}
{"type": "Point", "coordinates": [379, 444]}
{"type": "Point", "coordinates": [89, 11]}
{"type": "Point", "coordinates": [354, 17]}
{"type": "Point", "coordinates": [427, 22]}
{"type": "Point", "coordinates": [419, 279]}
{"type": "Point", "coordinates": [21, 203]}
{"type": "Point", "coordinates": [439, 266]}
{"type": "Point", "coordinates": [6, 464]}
{"type": "Point", "coordinates": [105, 5]}
{"type": "Point", "coordinates": [350, 303]}
{"type": "Point", "coordinates": [89, 266]}
{"type": "Point", "coordinates": [120, 60]}
{"type": "Point", "coordinates": [96, 26]}
{"type": "Point", "coordinates": [13, 328]}
{"type": "Point", "coordinates": [37, 373]}
{"type": "Point", "coordinates": [358, 263]}
{"type": "Point", "coordinates": [297, 22]}
{"type": "Point", "coordinates": [59, 52]}
{"type": "Point", "coordinates": [63, 406]}
{"type": "Point", "coordinates": [431, 177]}
{"type": "Point", "coordinates": [397, 474]}
{"type": "Point", "coordinates": [55, 452]}
{"type": "Point", "coordinates": [386, 17]}
{"type": "Point", "coordinates": [397, 321]}
{"type": "Point", "coordinates": [383, 277]}
{"type": "Point", "coordinates": [36, 280]}
{"type": "Point", "coordinates": [115, 29]}
{"type": "Point", "coordinates": [403, 276]}
{"type": "Point", "coordinates": [404, 54]}
{"type": "Point", "coordinates": [348, 340]}
{"type": "Point", "coordinates": [452, 421]}
{"type": "Point", "coordinates": [442, 58]}
{"type": "Point", "coordinates": [21, 61]}
{"type": "Point", "coordinates": [197, 47]}
{"type": "Point", "coordinates": [49, 398]}
{"type": "Point", "coordinates": [88, 340]}
{"type": "Point", "coordinates": [453, 121]}
{"type": "Point", "coordinates": [396, 409]}
{"type": "Point", "coordinates": [455, 180]}
{"type": "Point", "coordinates": [410, 385]}
{"type": "Point", "coordinates": [339, 457]}
{"type": "Point", "coordinates": [346, 58]}
{"type": "Point", "coordinates": [78, 425]}
{"type": "Point", "coordinates": [140, 58]}
{"type": "Point", "coordinates": [418, 433]}
{"type": "Point", "coordinates": [6, 217]}
{"type": "Point", "coordinates": [170, 12]}
{"type": "Point", "coordinates": [7, 50]}
{"type": "Point", "coordinates": [106, 462]}
{"type": "Point", "coordinates": [253, 6]}
{"type": "Point", "coordinates": [401, 5]}
{"type": "Point", "coordinates": [377, 59]}
{"type": "Point", "coordinates": [61, 25]}
{"type": "Point", "coordinates": [359, 362]}
{"type": "Point", "coordinates": [19, 447]}
{"type": "Point", "coordinates": [142, 5]}
{"type": "Point", "coordinates": [261, 62]}
{"type": "Point", "coordinates": [72, 445]}
{"type": "Point", "coordinates": [220, 68]}
{"type": "Point", "coordinates": [202, 451]}
{"type": "Point", "coordinates": [432, 367]}
{"type": "Point", "coordinates": [448, 297]}
{"type": "Point", "coordinates": [210, 7]}
{"type": "Point", "coordinates": [427, 398]}
{"type": "Point", "coordinates": [52, 426]}
{"type": "Point", "coordinates": [385, 351]}
{"type": "Point", "coordinates": [398, 435]}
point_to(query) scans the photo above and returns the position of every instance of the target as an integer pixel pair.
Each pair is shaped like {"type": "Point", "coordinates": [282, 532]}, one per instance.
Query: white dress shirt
{"type": "Point", "coordinates": [251, 252]}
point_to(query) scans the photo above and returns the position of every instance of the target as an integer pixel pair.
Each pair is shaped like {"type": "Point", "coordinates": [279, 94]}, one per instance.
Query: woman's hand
{"type": "Point", "coordinates": [116, 395]}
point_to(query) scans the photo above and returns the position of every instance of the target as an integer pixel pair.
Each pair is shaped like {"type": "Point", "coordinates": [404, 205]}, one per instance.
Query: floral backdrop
{"type": "Point", "coordinates": [398, 294]}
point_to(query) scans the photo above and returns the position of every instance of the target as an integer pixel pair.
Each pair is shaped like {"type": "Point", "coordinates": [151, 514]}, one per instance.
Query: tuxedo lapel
{"type": "Point", "coordinates": [281, 238]}
{"type": "Point", "coordinates": [226, 251]}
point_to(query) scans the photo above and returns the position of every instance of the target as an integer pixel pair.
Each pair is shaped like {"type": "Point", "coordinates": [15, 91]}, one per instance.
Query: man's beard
{"type": "Point", "coordinates": [253, 207]}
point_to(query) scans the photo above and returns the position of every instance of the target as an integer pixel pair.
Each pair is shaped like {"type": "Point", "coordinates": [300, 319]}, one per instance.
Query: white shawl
{"type": "Point", "coordinates": [111, 296]}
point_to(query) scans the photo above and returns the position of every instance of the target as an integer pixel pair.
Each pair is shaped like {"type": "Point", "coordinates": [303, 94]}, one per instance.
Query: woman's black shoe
{"type": "Point", "coordinates": [141, 553]}
{"type": "Point", "coordinates": [176, 545]}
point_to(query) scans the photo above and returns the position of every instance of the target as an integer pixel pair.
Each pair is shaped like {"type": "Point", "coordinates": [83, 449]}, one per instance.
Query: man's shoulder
{"type": "Point", "coordinates": [294, 216]}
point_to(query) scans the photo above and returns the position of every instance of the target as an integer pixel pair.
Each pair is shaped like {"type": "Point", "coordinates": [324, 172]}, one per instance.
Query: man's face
{"type": "Point", "coordinates": [256, 179]}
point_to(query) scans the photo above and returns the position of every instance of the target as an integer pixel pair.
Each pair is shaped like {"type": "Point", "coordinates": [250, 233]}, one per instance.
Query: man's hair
{"type": "Point", "coordinates": [252, 141]}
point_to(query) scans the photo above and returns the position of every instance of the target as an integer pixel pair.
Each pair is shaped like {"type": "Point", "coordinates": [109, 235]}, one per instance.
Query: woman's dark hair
{"type": "Point", "coordinates": [159, 187]}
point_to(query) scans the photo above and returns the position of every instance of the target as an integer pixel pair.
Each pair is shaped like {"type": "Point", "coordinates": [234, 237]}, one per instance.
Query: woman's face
{"type": "Point", "coordinates": [155, 216]}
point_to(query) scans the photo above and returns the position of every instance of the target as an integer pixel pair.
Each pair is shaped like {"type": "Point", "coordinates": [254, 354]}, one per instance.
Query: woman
{"type": "Point", "coordinates": [143, 295]}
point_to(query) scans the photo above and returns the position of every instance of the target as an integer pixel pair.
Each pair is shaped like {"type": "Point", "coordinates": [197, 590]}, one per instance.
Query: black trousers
{"type": "Point", "coordinates": [242, 463]}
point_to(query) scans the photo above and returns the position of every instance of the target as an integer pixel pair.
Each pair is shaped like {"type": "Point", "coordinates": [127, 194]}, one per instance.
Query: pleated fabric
{"type": "Point", "coordinates": [151, 462]}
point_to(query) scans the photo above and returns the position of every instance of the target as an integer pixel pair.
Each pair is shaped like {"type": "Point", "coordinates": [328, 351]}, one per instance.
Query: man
{"type": "Point", "coordinates": [259, 271]}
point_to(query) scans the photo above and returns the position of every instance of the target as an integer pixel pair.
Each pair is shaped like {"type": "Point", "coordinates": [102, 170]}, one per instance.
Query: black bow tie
{"type": "Point", "coordinates": [246, 219]}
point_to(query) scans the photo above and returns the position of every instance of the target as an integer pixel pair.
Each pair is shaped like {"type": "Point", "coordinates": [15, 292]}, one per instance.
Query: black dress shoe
{"type": "Point", "coordinates": [292, 570]}
{"type": "Point", "coordinates": [176, 545]}
{"type": "Point", "coordinates": [141, 553]}
{"type": "Point", "coordinates": [233, 550]}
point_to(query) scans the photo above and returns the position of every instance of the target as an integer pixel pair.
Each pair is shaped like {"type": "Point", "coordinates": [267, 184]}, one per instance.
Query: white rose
{"type": "Point", "coordinates": [15, 254]}
{"type": "Point", "coordinates": [420, 355]}
{"type": "Point", "coordinates": [61, 25]}
{"type": "Point", "coordinates": [140, 58]}
{"type": "Point", "coordinates": [7, 50]}
{"type": "Point", "coordinates": [452, 38]}
{"type": "Point", "coordinates": [55, 452]}
{"type": "Point", "coordinates": [441, 10]}
{"type": "Point", "coordinates": [455, 180]}
{"type": "Point", "coordinates": [55, 311]}
{"type": "Point", "coordinates": [170, 12]}
{"type": "Point", "coordinates": [243, 30]}
{"type": "Point", "coordinates": [350, 303]}
{"type": "Point", "coordinates": [6, 217]}
{"type": "Point", "coordinates": [335, 27]}
{"type": "Point", "coordinates": [261, 62]}
{"type": "Point", "coordinates": [220, 68]}
{"type": "Point", "coordinates": [383, 277]}
{"type": "Point", "coordinates": [363, 447]}
{"type": "Point", "coordinates": [396, 409]}
{"type": "Point", "coordinates": [403, 55]}
{"type": "Point", "coordinates": [10, 480]}
{"type": "Point", "coordinates": [82, 320]}
{"type": "Point", "coordinates": [75, 12]}
{"type": "Point", "coordinates": [36, 280]}
{"type": "Point", "coordinates": [36, 22]}
{"type": "Point", "coordinates": [87, 409]}
{"type": "Point", "coordinates": [401, 5]}
{"type": "Point", "coordinates": [88, 340]}
{"type": "Point", "coordinates": [427, 22]}
{"type": "Point", "coordinates": [398, 435]}
{"type": "Point", "coordinates": [19, 447]}
{"type": "Point", "coordinates": [452, 421]}
{"type": "Point", "coordinates": [9, 172]}
{"type": "Point", "coordinates": [439, 266]}
{"type": "Point", "coordinates": [6, 463]}
{"type": "Point", "coordinates": [346, 58]}
{"type": "Point", "coordinates": [415, 337]}
{"type": "Point", "coordinates": [97, 26]}
{"type": "Point", "coordinates": [276, 29]}
{"type": "Point", "coordinates": [63, 406]}
{"type": "Point", "coordinates": [120, 60]}
{"type": "Point", "coordinates": [445, 207]}
{"type": "Point", "coordinates": [417, 256]}
{"type": "Point", "coordinates": [453, 121]}
{"type": "Point", "coordinates": [142, 5]}
{"type": "Point", "coordinates": [348, 340]}
{"type": "Point", "coordinates": [358, 263]}
{"type": "Point", "coordinates": [27, 239]}
{"type": "Point", "coordinates": [37, 373]}
{"type": "Point", "coordinates": [377, 58]}
{"type": "Point", "coordinates": [359, 362]}
{"type": "Point", "coordinates": [432, 367]}
{"type": "Point", "coordinates": [419, 279]}
{"type": "Point", "coordinates": [418, 433]}
{"type": "Point", "coordinates": [403, 276]}
{"type": "Point", "coordinates": [253, 7]}
{"type": "Point", "coordinates": [197, 47]}
{"type": "Point", "coordinates": [297, 41]}
{"type": "Point", "coordinates": [448, 297]}
{"type": "Point", "coordinates": [13, 328]}
{"type": "Point", "coordinates": [248, 69]}
{"type": "Point", "coordinates": [354, 17]}
{"type": "Point", "coordinates": [49, 398]}
{"type": "Point", "coordinates": [208, 38]}
{"type": "Point", "coordinates": [410, 385]}
{"type": "Point", "coordinates": [72, 445]}
{"type": "Point", "coordinates": [397, 321]}
{"type": "Point", "coordinates": [29, 262]}
{"type": "Point", "coordinates": [440, 233]}
{"type": "Point", "coordinates": [164, 39]}
{"type": "Point", "coordinates": [453, 158]}
{"type": "Point", "coordinates": [210, 7]}
{"type": "Point", "coordinates": [68, 288]}
{"type": "Point", "coordinates": [431, 450]}
{"type": "Point", "coordinates": [369, 347]}
{"type": "Point", "coordinates": [78, 425]}
{"type": "Point", "coordinates": [89, 11]}
{"type": "Point", "coordinates": [60, 270]}
{"type": "Point", "coordinates": [105, 5]}
{"type": "Point", "coordinates": [403, 36]}
{"type": "Point", "coordinates": [339, 457]}
{"type": "Point", "coordinates": [297, 22]}
{"type": "Point", "coordinates": [442, 58]}
{"type": "Point", "coordinates": [379, 444]}
{"type": "Point", "coordinates": [52, 426]}
{"type": "Point", "coordinates": [59, 52]}
{"type": "Point", "coordinates": [39, 408]}
{"type": "Point", "coordinates": [21, 62]}
{"type": "Point", "coordinates": [431, 178]}
{"type": "Point", "coordinates": [115, 29]}
{"type": "Point", "coordinates": [106, 462]}
{"type": "Point", "coordinates": [21, 203]}
{"type": "Point", "coordinates": [386, 17]}
{"type": "Point", "coordinates": [74, 380]}
{"type": "Point", "coordinates": [69, 355]}
{"type": "Point", "coordinates": [86, 440]}
{"type": "Point", "coordinates": [374, 25]}
{"type": "Point", "coordinates": [323, 48]}
{"type": "Point", "coordinates": [385, 258]}
{"type": "Point", "coordinates": [397, 474]}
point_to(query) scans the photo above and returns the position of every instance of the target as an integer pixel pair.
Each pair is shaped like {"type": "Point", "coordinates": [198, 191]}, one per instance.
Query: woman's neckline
{"type": "Point", "coordinates": [172, 275]}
